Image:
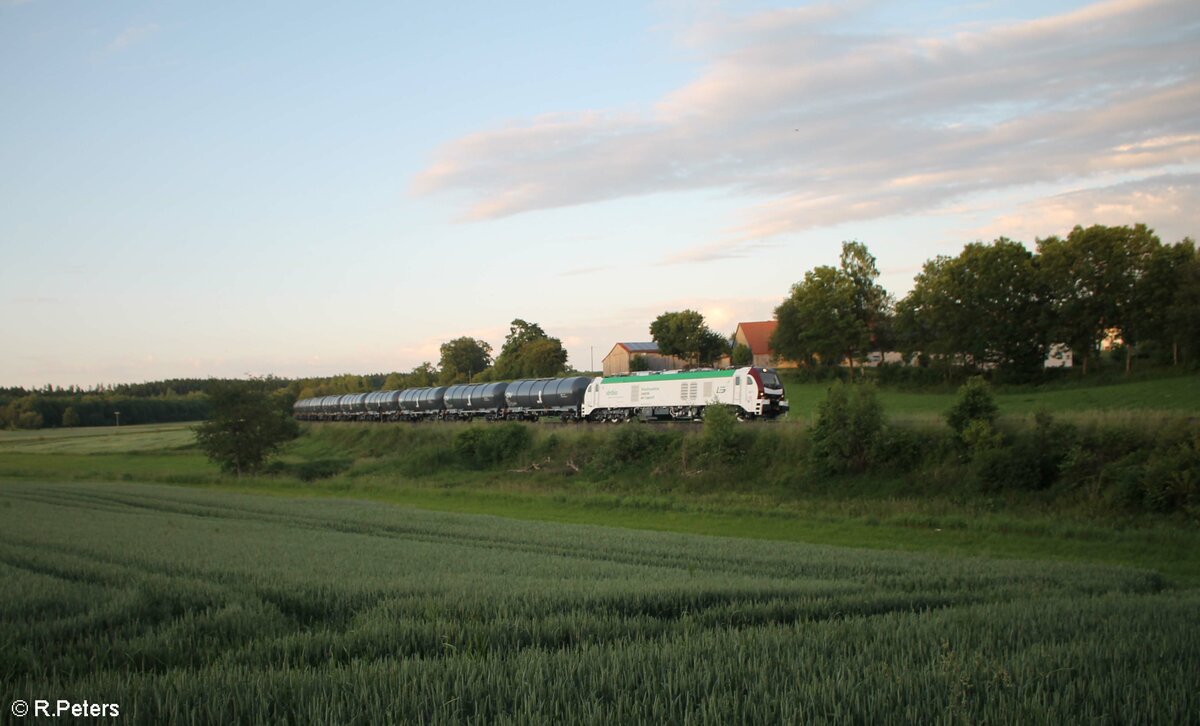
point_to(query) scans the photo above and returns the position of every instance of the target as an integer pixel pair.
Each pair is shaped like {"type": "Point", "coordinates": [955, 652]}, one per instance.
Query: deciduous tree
{"type": "Point", "coordinates": [463, 358]}
{"type": "Point", "coordinates": [833, 313]}
{"type": "Point", "coordinates": [684, 334]}
{"type": "Point", "coordinates": [1093, 277]}
{"type": "Point", "coordinates": [246, 425]}
{"type": "Point", "coordinates": [985, 307]}
{"type": "Point", "coordinates": [529, 353]}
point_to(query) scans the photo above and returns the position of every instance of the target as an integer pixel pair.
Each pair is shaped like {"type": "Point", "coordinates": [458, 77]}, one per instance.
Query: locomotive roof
{"type": "Point", "coordinates": [677, 376]}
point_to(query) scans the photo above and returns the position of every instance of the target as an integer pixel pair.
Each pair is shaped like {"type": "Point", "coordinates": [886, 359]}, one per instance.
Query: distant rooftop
{"type": "Point", "coordinates": [758, 335]}
{"type": "Point", "coordinates": [640, 347]}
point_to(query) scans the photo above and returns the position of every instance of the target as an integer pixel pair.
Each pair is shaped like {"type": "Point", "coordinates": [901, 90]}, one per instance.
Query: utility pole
{"type": "Point", "coordinates": [118, 415]}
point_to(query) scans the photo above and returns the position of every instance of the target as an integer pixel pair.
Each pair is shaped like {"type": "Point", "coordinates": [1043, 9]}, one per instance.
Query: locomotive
{"type": "Point", "coordinates": [749, 392]}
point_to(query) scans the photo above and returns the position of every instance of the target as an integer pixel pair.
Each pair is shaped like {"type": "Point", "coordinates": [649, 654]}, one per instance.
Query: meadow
{"type": "Point", "coordinates": [186, 605]}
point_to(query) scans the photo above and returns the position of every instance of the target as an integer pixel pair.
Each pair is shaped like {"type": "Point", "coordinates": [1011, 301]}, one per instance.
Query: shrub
{"type": "Point", "coordinates": [901, 449]}
{"type": "Point", "coordinates": [479, 447]}
{"type": "Point", "coordinates": [848, 424]}
{"type": "Point", "coordinates": [631, 443]}
{"type": "Point", "coordinates": [975, 403]}
{"type": "Point", "coordinates": [1171, 479]}
{"type": "Point", "coordinates": [1006, 467]}
{"type": "Point", "coordinates": [1029, 459]}
{"type": "Point", "coordinates": [722, 440]}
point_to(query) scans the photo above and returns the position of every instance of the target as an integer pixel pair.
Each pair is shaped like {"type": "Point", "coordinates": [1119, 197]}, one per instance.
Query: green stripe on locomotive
{"type": "Point", "coordinates": [669, 376]}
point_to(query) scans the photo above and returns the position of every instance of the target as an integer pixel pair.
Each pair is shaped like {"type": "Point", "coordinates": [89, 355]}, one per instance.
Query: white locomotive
{"type": "Point", "coordinates": [683, 395]}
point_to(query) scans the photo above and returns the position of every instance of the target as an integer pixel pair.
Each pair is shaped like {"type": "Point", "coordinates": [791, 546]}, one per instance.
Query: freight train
{"type": "Point", "coordinates": [751, 393]}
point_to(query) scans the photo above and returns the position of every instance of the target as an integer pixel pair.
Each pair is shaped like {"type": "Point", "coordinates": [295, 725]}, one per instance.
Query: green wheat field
{"type": "Point", "coordinates": [192, 606]}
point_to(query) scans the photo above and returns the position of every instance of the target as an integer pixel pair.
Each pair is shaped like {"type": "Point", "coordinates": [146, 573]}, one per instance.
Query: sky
{"type": "Point", "coordinates": [303, 189]}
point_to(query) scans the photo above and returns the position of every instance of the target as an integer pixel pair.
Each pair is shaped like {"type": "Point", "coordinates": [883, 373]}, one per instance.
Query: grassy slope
{"type": "Point", "coordinates": [158, 453]}
{"type": "Point", "coordinates": [855, 517]}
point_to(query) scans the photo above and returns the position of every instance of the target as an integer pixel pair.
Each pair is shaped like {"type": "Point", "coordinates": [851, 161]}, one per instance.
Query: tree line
{"type": "Point", "coordinates": [994, 307]}
{"type": "Point", "coordinates": [528, 352]}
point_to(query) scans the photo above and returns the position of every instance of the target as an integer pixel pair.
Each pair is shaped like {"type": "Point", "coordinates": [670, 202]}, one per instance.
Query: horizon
{"type": "Point", "coordinates": [304, 191]}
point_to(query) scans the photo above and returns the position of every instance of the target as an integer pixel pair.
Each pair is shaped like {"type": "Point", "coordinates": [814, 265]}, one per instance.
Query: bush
{"type": "Point", "coordinates": [975, 403]}
{"type": "Point", "coordinates": [1027, 460]}
{"type": "Point", "coordinates": [631, 442]}
{"type": "Point", "coordinates": [722, 440]}
{"type": "Point", "coordinates": [847, 428]}
{"type": "Point", "coordinates": [901, 449]}
{"type": "Point", "coordinates": [1171, 479]}
{"type": "Point", "coordinates": [1005, 467]}
{"type": "Point", "coordinates": [479, 447]}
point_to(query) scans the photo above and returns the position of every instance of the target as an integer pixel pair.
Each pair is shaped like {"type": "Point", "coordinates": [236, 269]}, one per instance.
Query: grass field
{"type": "Point", "coordinates": [99, 440]}
{"type": "Point", "coordinates": [184, 605]}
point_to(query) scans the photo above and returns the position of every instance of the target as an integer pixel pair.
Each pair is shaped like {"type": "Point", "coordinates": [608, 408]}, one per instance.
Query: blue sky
{"type": "Point", "coordinates": [304, 189]}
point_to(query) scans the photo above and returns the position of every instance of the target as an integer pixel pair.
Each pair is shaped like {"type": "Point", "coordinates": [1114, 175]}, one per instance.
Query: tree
{"type": "Point", "coordinates": [833, 313]}
{"type": "Point", "coordinates": [422, 376]}
{"type": "Point", "coordinates": [974, 404]}
{"type": "Point", "coordinates": [1093, 277]}
{"type": "Point", "coordinates": [814, 321]}
{"type": "Point", "coordinates": [24, 412]}
{"type": "Point", "coordinates": [529, 353]}
{"type": "Point", "coordinates": [741, 355]}
{"type": "Point", "coordinates": [246, 425]}
{"type": "Point", "coordinates": [848, 424]}
{"type": "Point", "coordinates": [685, 335]}
{"type": "Point", "coordinates": [1158, 310]}
{"type": "Point", "coordinates": [70, 417]}
{"type": "Point", "coordinates": [985, 307]}
{"type": "Point", "coordinates": [1183, 317]}
{"type": "Point", "coordinates": [463, 358]}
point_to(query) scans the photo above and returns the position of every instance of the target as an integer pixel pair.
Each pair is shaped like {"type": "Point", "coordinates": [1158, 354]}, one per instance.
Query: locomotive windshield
{"type": "Point", "coordinates": [769, 379]}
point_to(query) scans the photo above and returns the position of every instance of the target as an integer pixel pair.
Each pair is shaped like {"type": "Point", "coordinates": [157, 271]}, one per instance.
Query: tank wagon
{"type": "Point", "coordinates": [670, 395]}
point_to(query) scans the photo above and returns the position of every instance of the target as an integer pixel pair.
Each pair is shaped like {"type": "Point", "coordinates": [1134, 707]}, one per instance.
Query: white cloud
{"type": "Point", "coordinates": [817, 126]}
{"type": "Point", "coordinates": [1166, 203]}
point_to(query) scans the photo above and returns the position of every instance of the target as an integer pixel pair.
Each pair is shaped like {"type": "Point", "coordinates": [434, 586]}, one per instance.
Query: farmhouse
{"type": "Point", "coordinates": [622, 355]}
{"type": "Point", "coordinates": [757, 337]}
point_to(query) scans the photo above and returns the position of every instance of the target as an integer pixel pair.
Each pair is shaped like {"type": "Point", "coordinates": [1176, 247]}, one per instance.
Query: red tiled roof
{"type": "Point", "coordinates": [758, 335]}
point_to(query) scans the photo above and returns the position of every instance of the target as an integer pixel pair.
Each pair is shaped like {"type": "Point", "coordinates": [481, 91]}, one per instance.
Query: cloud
{"type": "Point", "coordinates": [1166, 203]}
{"type": "Point", "coordinates": [816, 125]}
{"type": "Point", "coordinates": [131, 35]}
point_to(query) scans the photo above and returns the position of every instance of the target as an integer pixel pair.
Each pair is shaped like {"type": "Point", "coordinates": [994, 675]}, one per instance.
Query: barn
{"type": "Point", "coordinates": [622, 354]}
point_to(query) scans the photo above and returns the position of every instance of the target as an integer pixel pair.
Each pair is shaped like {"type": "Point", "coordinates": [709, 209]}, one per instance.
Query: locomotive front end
{"type": "Point", "coordinates": [770, 390]}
